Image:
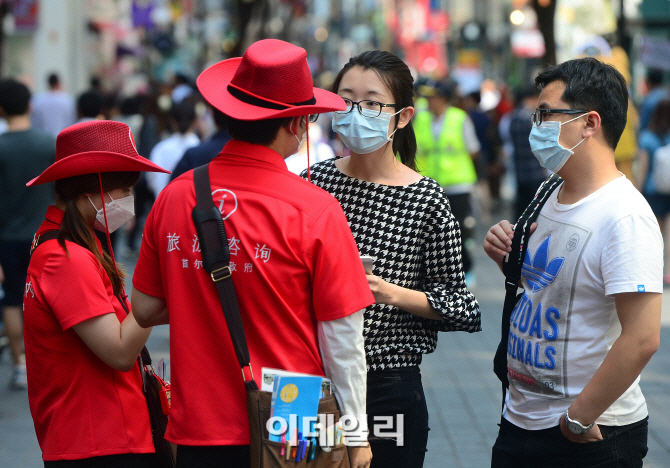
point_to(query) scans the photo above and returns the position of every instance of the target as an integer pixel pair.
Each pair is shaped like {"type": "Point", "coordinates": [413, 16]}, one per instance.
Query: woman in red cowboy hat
{"type": "Point", "coordinates": [84, 386]}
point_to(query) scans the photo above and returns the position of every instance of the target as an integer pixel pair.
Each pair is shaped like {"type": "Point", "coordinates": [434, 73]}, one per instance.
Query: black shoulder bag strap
{"type": "Point", "coordinates": [215, 259]}
{"type": "Point", "coordinates": [512, 269]}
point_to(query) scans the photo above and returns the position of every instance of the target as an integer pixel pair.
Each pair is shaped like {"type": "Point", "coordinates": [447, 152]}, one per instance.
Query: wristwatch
{"type": "Point", "coordinates": [575, 426]}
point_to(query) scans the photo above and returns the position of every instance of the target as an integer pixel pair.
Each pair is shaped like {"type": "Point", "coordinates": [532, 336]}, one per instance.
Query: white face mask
{"type": "Point", "coordinates": [301, 141]}
{"type": "Point", "coordinates": [363, 134]}
{"type": "Point", "coordinates": [545, 146]}
{"type": "Point", "coordinates": [118, 212]}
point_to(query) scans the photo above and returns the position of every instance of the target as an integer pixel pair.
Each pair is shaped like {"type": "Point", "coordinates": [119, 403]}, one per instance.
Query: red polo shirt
{"type": "Point", "coordinates": [81, 407]}
{"type": "Point", "coordinates": [293, 261]}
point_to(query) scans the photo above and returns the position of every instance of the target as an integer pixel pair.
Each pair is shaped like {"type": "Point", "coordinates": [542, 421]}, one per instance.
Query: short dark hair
{"type": "Point", "coordinates": [14, 97]}
{"type": "Point", "coordinates": [594, 86]}
{"type": "Point", "coordinates": [183, 114]}
{"type": "Point", "coordinates": [89, 104]}
{"type": "Point", "coordinates": [259, 132]}
{"type": "Point", "coordinates": [53, 79]}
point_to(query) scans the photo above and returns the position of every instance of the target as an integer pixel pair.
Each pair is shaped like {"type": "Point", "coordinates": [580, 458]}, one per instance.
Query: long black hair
{"type": "Point", "coordinates": [74, 225]}
{"type": "Point", "coordinates": [395, 74]}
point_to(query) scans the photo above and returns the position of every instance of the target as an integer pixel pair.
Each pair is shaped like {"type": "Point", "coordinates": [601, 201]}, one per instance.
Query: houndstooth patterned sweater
{"type": "Point", "coordinates": [416, 243]}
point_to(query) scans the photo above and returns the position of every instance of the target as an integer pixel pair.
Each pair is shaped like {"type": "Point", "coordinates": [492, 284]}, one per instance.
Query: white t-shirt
{"type": "Point", "coordinates": [564, 325]}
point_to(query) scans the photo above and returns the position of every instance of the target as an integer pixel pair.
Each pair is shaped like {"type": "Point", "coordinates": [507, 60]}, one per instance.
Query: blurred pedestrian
{"type": "Point", "coordinates": [24, 150]}
{"type": "Point", "coordinates": [401, 219]}
{"type": "Point", "coordinates": [89, 106]}
{"type": "Point", "coordinates": [656, 135]}
{"type": "Point", "coordinates": [54, 109]}
{"type": "Point", "coordinates": [528, 172]}
{"type": "Point", "coordinates": [168, 152]}
{"type": "Point", "coordinates": [205, 151]}
{"type": "Point", "coordinates": [182, 88]}
{"type": "Point", "coordinates": [656, 92]}
{"type": "Point", "coordinates": [447, 147]}
{"type": "Point", "coordinates": [82, 342]}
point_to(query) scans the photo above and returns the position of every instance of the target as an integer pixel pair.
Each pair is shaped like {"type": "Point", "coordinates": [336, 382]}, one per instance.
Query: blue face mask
{"type": "Point", "coordinates": [545, 146]}
{"type": "Point", "coordinates": [363, 134]}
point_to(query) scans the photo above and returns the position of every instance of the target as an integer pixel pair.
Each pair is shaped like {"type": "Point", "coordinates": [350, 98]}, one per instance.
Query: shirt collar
{"type": "Point", "coordinates": [255, 152]}
{"type": "Point", "coordinates": [54, 219]}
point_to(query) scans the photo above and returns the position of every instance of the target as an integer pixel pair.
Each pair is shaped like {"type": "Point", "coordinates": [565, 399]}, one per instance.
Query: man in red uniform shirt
{"type": "Point", "coordinates": [296, 268]}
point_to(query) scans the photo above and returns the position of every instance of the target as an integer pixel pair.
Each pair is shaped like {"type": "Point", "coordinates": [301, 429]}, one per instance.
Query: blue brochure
{"type": "Point", "coordinates": [294, 398]}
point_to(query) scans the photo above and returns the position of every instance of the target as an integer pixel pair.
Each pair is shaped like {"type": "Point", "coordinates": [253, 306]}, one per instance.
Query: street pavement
{"type": "Point", "coordinates": [462, 393]}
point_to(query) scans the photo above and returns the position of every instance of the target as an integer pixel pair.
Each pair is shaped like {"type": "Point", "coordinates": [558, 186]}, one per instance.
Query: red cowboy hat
{"type": "Point", "coordinates": [95, 146]}
{"type": "Point", "coordinates": [271, 80]}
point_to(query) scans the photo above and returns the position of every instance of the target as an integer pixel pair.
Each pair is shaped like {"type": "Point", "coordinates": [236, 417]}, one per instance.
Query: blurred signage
{"type": "Point", "coordinates": [654, 52]}
{"type": "Point", "coordinates": [421, 28]}
{"type": "Point", "coordinates": [655, 10]}
{"type": "Point", "coordinates": [25, 14]}
{"type": "Point", "coordinates": [527, 43]}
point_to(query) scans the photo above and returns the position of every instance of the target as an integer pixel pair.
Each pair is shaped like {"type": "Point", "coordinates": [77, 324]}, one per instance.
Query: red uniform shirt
{"type": "Point", "coordinates": [81, 407]}
{"type": "Point", "coordinates": [293, 261]}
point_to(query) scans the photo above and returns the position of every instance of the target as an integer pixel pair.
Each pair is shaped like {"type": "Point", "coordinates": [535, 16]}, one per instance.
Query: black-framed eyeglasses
{"type": "Point", "coordinates": [373, 108]}
{"type": "Point", "coordinates": [312, 117]}
{"type": "Point", "coordinates": [539, 114]}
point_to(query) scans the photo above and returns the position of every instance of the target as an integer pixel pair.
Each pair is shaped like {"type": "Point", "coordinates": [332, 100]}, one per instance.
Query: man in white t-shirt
{"type": "Point", "coordinates": [589, 317]}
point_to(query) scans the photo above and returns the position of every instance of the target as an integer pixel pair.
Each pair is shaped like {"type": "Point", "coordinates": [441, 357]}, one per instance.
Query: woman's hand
{"type": "Point", "coordinates": [381, 290]}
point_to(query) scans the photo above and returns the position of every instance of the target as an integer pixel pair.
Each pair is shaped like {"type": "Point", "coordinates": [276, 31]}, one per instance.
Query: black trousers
{"type": "Point", "coordinates": [461, 208]}
{"type": "Point", "coordinates": [126, 460]}
{"type": "Point", "coordinates": [216, 456]}
{"type": "Point", "coordinates": [621, 446]}
{"type": "Point", "coordinates": [393, 392]}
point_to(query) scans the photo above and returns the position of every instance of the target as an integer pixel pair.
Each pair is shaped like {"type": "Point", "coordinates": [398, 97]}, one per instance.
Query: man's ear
{"type": "Point", "coordinates": [293, 123]}
{"type": "Point", "coordinates": [593, 124]}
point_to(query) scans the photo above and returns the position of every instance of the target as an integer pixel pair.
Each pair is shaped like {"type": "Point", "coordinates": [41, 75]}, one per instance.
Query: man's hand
{"type": "Point", "coordinates": [593, 435]}
{"type": "Point", "coordinates": [360, 456]}
{"type": "Point", "coordinates": [498, 241]}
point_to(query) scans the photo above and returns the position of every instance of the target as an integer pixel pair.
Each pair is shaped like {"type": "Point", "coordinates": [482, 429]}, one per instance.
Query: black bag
{"type": "Point", "coordinates": [157, 393]}
{"type": "Point", "coordinates": [512, 269]}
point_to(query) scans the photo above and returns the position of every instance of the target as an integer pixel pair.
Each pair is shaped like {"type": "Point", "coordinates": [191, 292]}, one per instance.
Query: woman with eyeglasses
{"type": "Point", "coordinates": [403, 220]}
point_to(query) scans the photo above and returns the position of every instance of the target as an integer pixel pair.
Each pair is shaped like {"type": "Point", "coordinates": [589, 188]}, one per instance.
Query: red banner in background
{"type": "Point", "coordinates": [422, 34]}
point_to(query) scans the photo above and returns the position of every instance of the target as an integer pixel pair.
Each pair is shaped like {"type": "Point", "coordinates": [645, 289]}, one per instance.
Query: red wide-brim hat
{"type": "Point", "coordinates": [271, 80]}
{"type": "Point", "coordinates": [92, 147]}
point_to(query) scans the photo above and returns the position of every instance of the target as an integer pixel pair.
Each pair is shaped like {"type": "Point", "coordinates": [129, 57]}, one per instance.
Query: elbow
{"type": "Point", "coordinates": [122, 363]}
{"type": "Point", "coordinates": [650, 346]}
{"type": "Point", "coordinates": [142, 321]}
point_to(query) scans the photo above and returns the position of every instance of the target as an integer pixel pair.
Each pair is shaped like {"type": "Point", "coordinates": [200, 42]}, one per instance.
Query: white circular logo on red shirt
{"type": "Point", "coordinates": [225, 201]}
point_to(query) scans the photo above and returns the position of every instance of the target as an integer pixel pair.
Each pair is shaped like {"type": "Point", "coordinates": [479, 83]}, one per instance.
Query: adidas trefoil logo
{"type": "Point", "coordinates": [538, 271]}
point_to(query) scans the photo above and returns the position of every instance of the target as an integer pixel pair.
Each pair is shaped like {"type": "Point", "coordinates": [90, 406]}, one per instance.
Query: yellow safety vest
{"type": "Point", "coordinates": [446, 160]}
